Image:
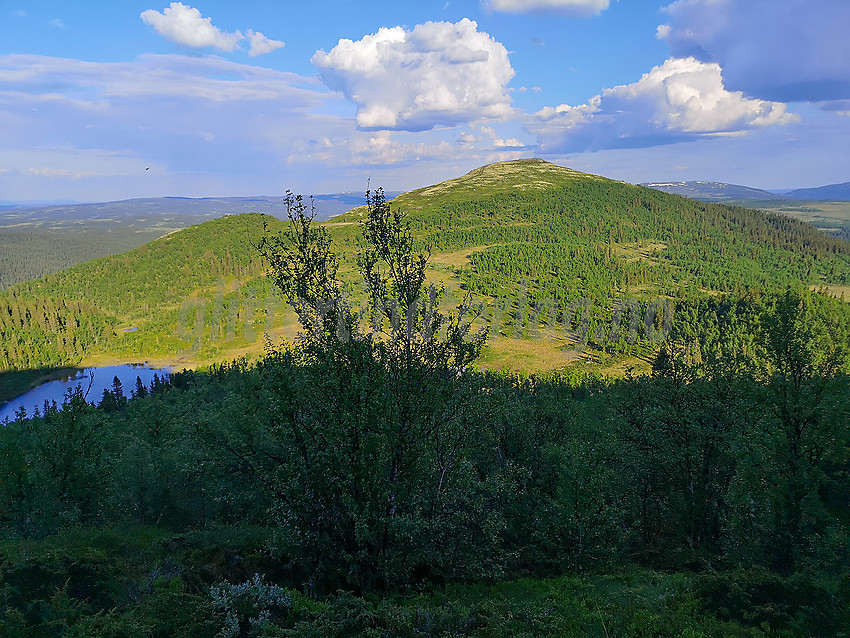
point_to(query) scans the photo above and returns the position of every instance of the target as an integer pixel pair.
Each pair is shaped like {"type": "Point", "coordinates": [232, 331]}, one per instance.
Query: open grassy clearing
{"type": "Point", "coordinates": [455, 258]}
{"type": "Point", "coordinates": [838, 292]}
{"type": "Point", "coordinates": [639, 251]}
{"type": "Point", "coordinates": [503, 354]}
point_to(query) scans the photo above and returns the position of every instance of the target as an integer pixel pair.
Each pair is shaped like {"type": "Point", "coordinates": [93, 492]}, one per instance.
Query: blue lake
{"type": "Point", "coordinates": [93, 382]}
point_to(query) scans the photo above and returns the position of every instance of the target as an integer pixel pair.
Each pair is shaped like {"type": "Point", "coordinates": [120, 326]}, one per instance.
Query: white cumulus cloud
{"type": "Point", "coordinates": [680, 99]}
{"type": "Point", "coordinates": [785, 50]}
{"type": "Point", "coordinates": [260, 44]}
{"type": "Point", "coordinates": [689, 95]}
{"type": "Point", "coordinates": [185, 25]}
{"type": "Point", "coordinates": [440, 73]}
{"type": "Point", "coordinates": [566, 7]}
{"type": "Point", "coordinates": [59, 172]}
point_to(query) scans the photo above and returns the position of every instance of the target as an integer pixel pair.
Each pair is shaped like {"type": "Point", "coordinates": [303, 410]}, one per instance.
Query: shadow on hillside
{"type": "Point", "coordinates": [16, 382]}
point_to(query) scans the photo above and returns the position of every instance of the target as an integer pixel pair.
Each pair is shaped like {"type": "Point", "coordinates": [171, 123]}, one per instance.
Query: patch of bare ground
{"type": "Point", "coordinates": [455, 258]}
{"type": "Point", "coordinates": [839, 292]}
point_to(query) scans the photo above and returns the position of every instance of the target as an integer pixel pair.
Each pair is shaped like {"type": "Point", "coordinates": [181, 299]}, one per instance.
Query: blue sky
{"type": "Point", "coordinates": [110, 100]}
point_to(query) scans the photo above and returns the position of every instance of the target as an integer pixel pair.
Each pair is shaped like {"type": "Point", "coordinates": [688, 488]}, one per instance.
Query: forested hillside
{"type": "Point", "coordinates": [146, 287]}
{"type": "Point", "coordinates": [26, 255]}
{"type": "Point", "coordinates": [38, 242]}
{"type": "Point", "coordinates": [519, 204]}
{"type": "Point", "coordinates": [520, 235]}
{"type": "Point", "coordinates": [375, 484]}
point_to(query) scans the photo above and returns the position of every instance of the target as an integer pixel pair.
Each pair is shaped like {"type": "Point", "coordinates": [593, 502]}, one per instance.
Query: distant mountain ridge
{"type": "Point", "coordinates": [722, 192]}
{"type": "Point", "coordinates": [831, 192]}
{"type": "Point", "coordinates": [327, 206]}
{"type": "Point", "coordinates": [41, 239]}
{"type": "Point", "coordinates": [713, 191]}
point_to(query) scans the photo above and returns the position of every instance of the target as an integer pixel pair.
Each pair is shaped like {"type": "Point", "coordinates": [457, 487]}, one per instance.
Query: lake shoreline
{"type": "Point", "coordinates": [22, 385]}
{"type": "Point", "coordinates": [30, 384]}
{"type": "Point", "coordinates": [177, 364]}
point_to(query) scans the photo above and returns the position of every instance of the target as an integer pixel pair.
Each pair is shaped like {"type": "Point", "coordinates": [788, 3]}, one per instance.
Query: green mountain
{"type": "Point", "coordinates": [570, 233]}
{"type": "Point", "coordinates": [515, 234]}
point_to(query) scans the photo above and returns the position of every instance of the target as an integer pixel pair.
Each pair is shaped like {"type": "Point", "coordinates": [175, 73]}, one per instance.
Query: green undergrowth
{"type": "Point", "coordinates": [145, 581]}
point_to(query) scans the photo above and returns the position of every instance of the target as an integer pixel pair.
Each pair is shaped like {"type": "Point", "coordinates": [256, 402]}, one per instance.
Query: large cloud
{"type": "Point", "coordinates": [437, 74]}
{"type": "Point", "coordinates": [678, 100]}
{"type": "Point", "coordinates": [566, 7]}
{"type": "Point", "coordinates": [785, 50]}
{"type": "Point", "coordinates": [185, 25]}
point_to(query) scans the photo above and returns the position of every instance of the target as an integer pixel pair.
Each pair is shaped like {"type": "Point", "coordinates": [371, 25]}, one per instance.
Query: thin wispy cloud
{"type": "Point", "coordinates": [157, 76]}
{"type": "Point", "coordinates": [581, 8]}
{"type": "Point", "coordinates": [147, 111]}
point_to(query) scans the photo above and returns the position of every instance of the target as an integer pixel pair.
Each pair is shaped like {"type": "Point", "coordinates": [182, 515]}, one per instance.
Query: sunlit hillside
{"type": "Point", "coordinates": [520, 236]}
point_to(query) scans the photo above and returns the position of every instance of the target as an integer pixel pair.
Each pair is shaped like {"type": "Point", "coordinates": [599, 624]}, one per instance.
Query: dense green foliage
{"type": "Point", "coordinates": [41, 332]}
{"type": "Point", "coordinates": [327, 469]}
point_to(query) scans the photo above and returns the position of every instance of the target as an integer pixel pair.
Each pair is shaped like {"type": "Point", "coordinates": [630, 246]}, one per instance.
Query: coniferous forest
{"type": "Point", "coordinates": [376, 482]}
{"type": "Point", "coordinates": [534, 233]}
